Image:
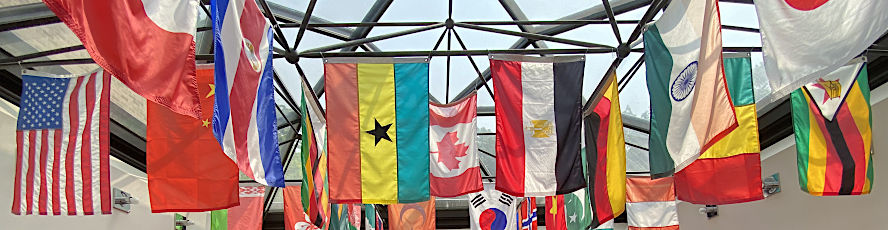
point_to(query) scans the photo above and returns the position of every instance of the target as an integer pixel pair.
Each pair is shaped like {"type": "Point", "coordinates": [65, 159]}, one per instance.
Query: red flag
{"type": "Point", "coordinates": [294, 217]}
{"type": "Point", "coordinates": [453, 153]}
{"type": "Point", "coordinates": [187, 170]}
{"type": "Point", "coordinates": [247, 215]}
{"type": "Point", "coordinates": [148, 45]}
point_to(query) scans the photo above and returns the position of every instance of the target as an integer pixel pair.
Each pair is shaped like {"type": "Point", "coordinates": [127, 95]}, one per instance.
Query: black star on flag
{"type": "Point", "coordinates": [380, 132]}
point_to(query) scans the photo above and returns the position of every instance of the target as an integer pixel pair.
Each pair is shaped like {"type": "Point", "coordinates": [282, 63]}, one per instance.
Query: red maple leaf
{"type": "Point", "coordinates": [448, 151]}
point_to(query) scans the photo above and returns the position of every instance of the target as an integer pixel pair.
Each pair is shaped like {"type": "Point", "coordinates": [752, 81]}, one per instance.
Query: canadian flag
{"type": "Point", "coordinates": [454, 156]}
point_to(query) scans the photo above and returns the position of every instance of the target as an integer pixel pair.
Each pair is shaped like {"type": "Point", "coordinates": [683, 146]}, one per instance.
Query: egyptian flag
{"type": "Point", "coordinates": [730, 171]}
{"type": "Point", "coordinates": [453, 152]}
{"type": "Point", "coordinates": [538, 124]}
{"type": "Point", "coordinates": [832, 119]}
{"type": "Point", "coordinates": [606, 156]}
{"type": "Point", "coordinates": [380, 141]}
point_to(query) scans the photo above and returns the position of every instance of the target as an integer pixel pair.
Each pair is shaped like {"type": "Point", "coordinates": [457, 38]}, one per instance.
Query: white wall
{"type": "Point", "coordinates": [123, 177]}
{"type": "Point", "coordinates": [794, 209]}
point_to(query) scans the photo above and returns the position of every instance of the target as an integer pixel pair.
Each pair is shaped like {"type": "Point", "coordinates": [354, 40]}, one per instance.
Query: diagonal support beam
{"type": "Point", "coordinates": [373, 15]}
{"type": "Point", "coordinates": [305, 19]}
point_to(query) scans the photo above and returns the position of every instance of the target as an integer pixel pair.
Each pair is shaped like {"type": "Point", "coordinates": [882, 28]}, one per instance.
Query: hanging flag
{"type": "Point", "coordinates": [384, 132]}
{"type": "Point", "coordinates": [372, 220]}
{"type": "Point", "coordinates": [244, 118]}
{"type": "Point", "coordinates": [453, 153]}
{"type": "Point", "coordinates": [832, 119]}
{"type": "Point", "coordinates": [187, 170]}
{"type": "Point", "coordinates": [805, 40]}
{"type": "Point", "coordinates": [527, 214]}
{"type": "Point", "coordinates": [606, 156]}
{"type": "Point", "coordinates": [651, 204]}
{"type": "Point", "coordinates": [492, 209]}
{"type": "Point", "coordinates": [246, 216]}
{"type": "Point", "coordinates": [61, 136]}
{"type": "Point", "coordinates": [417, 216]}
{"type": "Point", "coordinates": [148, 45]}
{"type": "Point", "coordinates": [538, 129]}
{"type": "Point", "coordinates": [730, 171]}
{"type": "Point", "coordinates": [569, 211]}
{"type": "Point", "coordinates": [339, 217]}
{"type": "Point", "coordinates": [294, 216]}
{"type": "Point", "coordinates": [354, 216]}
{"type": "Point", "coordinates": [688, 113]}
{"type": "Point", "coordinates": [314, 151]}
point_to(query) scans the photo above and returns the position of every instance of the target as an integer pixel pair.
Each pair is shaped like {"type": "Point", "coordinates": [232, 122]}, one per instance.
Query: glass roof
{"type": "Point", "coordinates": [634, 98]}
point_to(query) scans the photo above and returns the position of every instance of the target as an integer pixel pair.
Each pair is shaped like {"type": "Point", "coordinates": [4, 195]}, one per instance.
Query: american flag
{"type": "Point", "coordinates": [62, 146]}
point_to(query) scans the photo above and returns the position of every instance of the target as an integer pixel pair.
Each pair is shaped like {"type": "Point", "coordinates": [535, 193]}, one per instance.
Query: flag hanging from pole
{"type": "Point", "coordinates": [690, 105]}
{"type": "Point", "coordinates": [527, 214]}
{"type": "Point", "coordinates": [246, 216]}
{"type": "Point", "coordinates": [832, 119]}
{"type": "Point", "coordinates": [651, 203]}
{"type": "Point", "coordinates": [453, 152]}
{"type": "Point", "coordinates": [314, 151]}
{"type": "Point", "coordinates": [606, 156]}
{"type": "Point", "coordinates": [62, 145]}
{"type": "Point", "coordinates": [412, 216]}
{"type": "Point", "coordinates": [244, 119]}
{"type": "Point", "coordinates": [294, 216]}
{"type": "Point", "coordinates": [539, 123]}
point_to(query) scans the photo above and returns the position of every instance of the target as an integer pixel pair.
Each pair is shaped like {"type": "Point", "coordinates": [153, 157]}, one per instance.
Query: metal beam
{"type": "Point", "coordinates": [532, 36]}
{"type": "Point", "coordinates": [443, 53]}
{"type": "Point", "coordinates": [372, 39]}
{"type": "Point", "coordinates": [514, 10]}
{"type": "Point", "coordinates": [373, 15]}
{"type": "Point", "coordinates": [278, 35]}
{"type": "Point", "coordinates": [305, 20]}
{"type": "Point", "coordinates": [26, 15]}
{"type": "Point", "coordinates": [42, 54]}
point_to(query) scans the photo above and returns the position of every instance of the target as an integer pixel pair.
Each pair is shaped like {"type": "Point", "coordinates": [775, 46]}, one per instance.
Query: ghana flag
{"type": "Point", "coordinates": [381, 130]}
{"type": "Point", "coordinates": [606, 157]}
{"type": "Point", "coordinates": [833, 131]}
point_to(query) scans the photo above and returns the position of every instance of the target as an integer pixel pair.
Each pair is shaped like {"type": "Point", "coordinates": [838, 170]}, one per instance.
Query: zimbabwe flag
{"type": "Point", "coordinates": [833, 131]}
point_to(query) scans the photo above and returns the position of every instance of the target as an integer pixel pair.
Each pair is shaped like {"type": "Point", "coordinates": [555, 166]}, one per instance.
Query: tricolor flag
{"type": "Point", "coordinates": [690, 105]}
{"type": "Point", "coordinates": [568, 212]}
{"type": "Point", "coordinates": [832, 119]}
{"type": "Point", "coordinates": [61, 164]}
{"type": "Point", "coordinates": [492, 209]}
{"type": "Point", "coordinates": [805, 40]}
{"type": "Point", "coordinates": [294, 216]}
{"type": "Point", "coordinates": [606, 156]}
{"type": "Point", "coordinates": [244, 116]}
{"type": "Point", "coordinates": [314, 157]}
{"type": "Point", "coordinates": [187, 170]}
{"type": "Point", "coordinates": [380, 140]}
{"type": "Point", "coordinates": [413, 216]}
{"type": "Point", "coordinates": [538, 126]}
{"type": "Point", "coordinates": [453, 152]}
{"type": "Point", "coordinates": [730, 171]}
{"type": "Point", "coordinates": [246, 216]}
{"type": "Point", "coordinates": [527, 214]}
{"type": "Point", "coordinates": [651, 204]}
{"type": "Point", "coordinates": [148, 45]}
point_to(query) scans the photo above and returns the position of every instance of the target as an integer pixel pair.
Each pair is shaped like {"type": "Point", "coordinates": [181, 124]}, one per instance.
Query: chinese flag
{"type": "Point", "coordinates": [187, 170]}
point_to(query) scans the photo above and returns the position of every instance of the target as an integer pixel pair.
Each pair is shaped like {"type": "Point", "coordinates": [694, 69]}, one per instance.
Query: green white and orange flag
{"type": "Point", "coordinates": [832, 119]}
{"type": "Point", "coordinates": [690, 106]}
{"type": "Point", "coordinates": [730, 171]}
{"type": "Point", "coordinates": [314, 158]}
{"type": "Point", "coordinates": [381, 131]}
{"type": "Point", "coordinates": [605, 153]}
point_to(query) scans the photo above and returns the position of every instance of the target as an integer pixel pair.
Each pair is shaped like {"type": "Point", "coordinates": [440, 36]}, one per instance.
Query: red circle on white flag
{"type": "Point", "coordinates": [805, 5]}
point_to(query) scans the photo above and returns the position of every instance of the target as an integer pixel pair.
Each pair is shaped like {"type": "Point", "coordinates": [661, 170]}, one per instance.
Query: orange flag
{"type": "Point", "coordinates": [187, 170]}
{"type": "Point", "coordinates": [294, 216]}
{"type": "Point", "coordinates": [412, 216]}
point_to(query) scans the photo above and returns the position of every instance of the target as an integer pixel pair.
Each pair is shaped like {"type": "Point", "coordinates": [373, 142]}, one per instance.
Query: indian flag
{"type": "Point", "coordinates": [690, 105]}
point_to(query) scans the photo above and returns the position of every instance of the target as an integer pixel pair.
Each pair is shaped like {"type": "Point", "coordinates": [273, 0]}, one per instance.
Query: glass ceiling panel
{"type": "Point", "coordinates": [553, 9]}
{"type": "Point", "coordinates": [42, 38]}
{"type": "Point", "coordinates": [406, 11]}
{"type": "Point", "coordinates": [6, 3]}
{"type": "Point", "coordinates": [332, 10]}
{"type": "Point", "coordinates": [479, 11]}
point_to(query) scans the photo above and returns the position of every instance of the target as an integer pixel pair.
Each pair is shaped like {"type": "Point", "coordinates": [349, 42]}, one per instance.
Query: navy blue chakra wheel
{"type": "Point", "coordinates": [683, 85]}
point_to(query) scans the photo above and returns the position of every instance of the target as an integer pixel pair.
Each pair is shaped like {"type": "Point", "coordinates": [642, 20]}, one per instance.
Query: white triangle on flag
{"type": "Point", "coordinates": [828, 92]}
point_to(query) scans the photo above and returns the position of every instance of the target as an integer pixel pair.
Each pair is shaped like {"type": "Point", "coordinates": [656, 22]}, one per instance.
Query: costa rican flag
{"type": "Point", "coordinates": [62, 146]}
{"type": "Point", "coordinates": [244, 115]}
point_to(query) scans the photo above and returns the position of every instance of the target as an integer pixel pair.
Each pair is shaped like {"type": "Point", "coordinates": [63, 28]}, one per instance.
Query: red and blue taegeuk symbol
{"type": "Point", "coordinates": [493, 219]}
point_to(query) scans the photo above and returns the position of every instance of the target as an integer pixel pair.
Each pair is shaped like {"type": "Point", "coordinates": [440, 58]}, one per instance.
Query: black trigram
{"type": "Point", "coordinates": [506, 199]}
{"type": "Point", "coordinates": [478, 200]}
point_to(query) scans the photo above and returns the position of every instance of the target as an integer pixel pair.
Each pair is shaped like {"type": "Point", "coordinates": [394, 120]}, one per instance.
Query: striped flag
{"type": "Point", "coordinates": [538, 127]}
{"type": "Point", "coordinates": [62, 145]}
{"type": "Point", "coordinates": [382, 114]}
{"type": "Point", "coordinates": [527, 214]}
{"type": "Point", "coordinates": [651, 204]}
{"type": "Point", "coordinates": [314, 152]}
{"type": "Point", "coordinates": [690, 105]}
{"type": "Point", "coordinates": [832, 119]}
{"type": "Point", "coordinates": [730, 171]}
{"type": "Point", "coordinates": [454, 166]}
{"type": "Point", "coordinates": [606, 156]}
{"type": "Point", "coordinates": [244, 116]}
